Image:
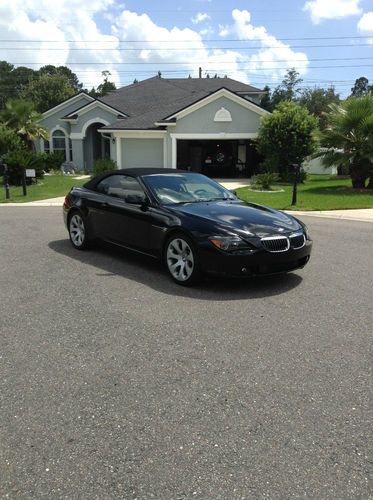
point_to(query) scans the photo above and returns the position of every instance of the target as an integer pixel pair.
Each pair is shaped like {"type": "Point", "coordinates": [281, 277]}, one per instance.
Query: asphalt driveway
{"type": "Point", "coordinates": [117, 383]}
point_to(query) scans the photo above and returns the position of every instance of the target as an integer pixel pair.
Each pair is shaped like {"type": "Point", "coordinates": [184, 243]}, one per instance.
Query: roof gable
{"type": "Point", "coordinates": [68, 102]}
{"type": "Point", "coordinates": [146, 103]}
{"type": "Point", "coordinates": [96, 103]}
{"type": "Point", "coordinates": [223, 92]}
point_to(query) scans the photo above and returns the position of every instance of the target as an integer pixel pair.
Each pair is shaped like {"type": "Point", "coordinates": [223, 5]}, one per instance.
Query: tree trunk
{"type": "Point", "coordinates": [358, 182]}
{"type": "Point", "coordinates": [370, 183]}
{"type": "Point", "coordinates": [359, 175]}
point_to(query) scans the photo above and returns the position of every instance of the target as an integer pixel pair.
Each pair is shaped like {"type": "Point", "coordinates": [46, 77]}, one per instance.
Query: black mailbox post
{"type": "Point", "coordinates": [295, 169]}
{"type": "Point", "coordinates": [4, 172]}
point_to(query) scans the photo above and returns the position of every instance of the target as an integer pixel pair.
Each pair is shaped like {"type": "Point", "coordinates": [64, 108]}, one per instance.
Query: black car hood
{"type": "Point", "coordinates": [248, 218]}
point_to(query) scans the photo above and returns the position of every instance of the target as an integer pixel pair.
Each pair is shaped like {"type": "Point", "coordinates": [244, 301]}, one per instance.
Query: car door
{"type": "Point", "coordinates": [123, 217]}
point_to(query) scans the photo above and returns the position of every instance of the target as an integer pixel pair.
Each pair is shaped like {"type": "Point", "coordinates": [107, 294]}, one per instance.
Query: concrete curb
{"type": "Point", "coordinates": [359, 215]}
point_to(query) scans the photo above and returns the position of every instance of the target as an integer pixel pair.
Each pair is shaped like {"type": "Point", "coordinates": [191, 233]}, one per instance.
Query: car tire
{"type": "Point", "coordinates": [181, 260]}
{"type": "Point", "coordinates": [78, 231]}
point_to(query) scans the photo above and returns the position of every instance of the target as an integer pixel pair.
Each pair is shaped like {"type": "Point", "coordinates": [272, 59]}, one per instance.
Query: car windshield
{"type": "Point", "coordinates": [185, 188]}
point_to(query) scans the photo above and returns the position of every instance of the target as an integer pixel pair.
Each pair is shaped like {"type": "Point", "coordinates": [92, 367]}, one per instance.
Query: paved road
{"type": "Point", "coordinates": [117, 383]}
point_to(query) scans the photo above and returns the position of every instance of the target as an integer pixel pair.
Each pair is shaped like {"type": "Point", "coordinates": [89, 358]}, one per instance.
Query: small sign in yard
{"type": "Point", "coordinates": [30, 172]}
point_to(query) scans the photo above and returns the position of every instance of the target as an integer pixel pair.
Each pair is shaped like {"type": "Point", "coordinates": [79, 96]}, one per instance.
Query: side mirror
{"type": "Point", "coordinates": [135, 199]}
{"type": "Point", "coordinates": [145, 204]}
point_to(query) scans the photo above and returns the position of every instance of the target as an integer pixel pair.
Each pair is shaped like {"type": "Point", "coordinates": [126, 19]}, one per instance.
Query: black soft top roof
{"type": "Point", "coordinates": [134, 172]}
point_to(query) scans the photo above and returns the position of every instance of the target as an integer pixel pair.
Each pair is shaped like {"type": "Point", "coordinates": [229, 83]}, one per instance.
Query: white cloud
{"type": "Point", "coordinates": [72, 23]}
{"type": "Point", "coordinates": [272, 55]}
{"type": "Point", "coordinates": [365, 24]}
{"type": "Point", "coordinates": [160, 42]}
{"type": "Point", "coordinates": [332, 9]}
{"type": "Point", "coordinates": [223, 30]}
{"type": "Point", "coordinates": [53, 31]}
{"type": "Point", "coordinates": [206, 31]}
{"type": "Point", "coordinates": [200, 17]}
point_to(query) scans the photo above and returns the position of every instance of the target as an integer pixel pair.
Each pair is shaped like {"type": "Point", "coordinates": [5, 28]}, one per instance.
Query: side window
{"type": "Point", "coordinates": [124, 187]}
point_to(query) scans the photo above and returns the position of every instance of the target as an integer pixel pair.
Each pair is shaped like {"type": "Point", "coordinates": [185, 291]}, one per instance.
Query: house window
{"type": "Point", "coordinates": [71, 150]}
{"type": "Point", "coordinates": [46, 146]}
{"type": "Point", "coordinates": [59, 142]}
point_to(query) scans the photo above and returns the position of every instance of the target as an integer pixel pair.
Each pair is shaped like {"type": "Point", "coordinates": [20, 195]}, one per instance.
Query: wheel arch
{"type": "Point", "coordinates": [172, 231]}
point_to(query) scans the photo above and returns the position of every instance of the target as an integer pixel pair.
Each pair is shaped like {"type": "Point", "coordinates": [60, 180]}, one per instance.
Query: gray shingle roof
{"type": "Point", "coordinates": [152, 100]}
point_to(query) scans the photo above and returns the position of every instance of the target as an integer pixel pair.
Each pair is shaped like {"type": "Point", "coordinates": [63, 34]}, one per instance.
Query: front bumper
{"type": "Point", "coordinates": [257, 263]}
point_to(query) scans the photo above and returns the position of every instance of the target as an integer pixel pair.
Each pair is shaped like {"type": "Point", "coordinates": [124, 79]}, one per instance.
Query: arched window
{"type": "Point", "coordinates": [59, 142]}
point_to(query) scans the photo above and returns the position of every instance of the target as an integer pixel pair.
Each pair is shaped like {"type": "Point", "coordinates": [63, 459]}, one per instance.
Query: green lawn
{"type": "Point", "coordinates": [51, 186]}
{"type": "Point", "coordinates": [319, 192]}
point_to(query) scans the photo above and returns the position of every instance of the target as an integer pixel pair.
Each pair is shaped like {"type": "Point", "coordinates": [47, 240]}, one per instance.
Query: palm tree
{"type": "Point", "coordinates": [21, 116]}
{"type": "Point", "coordinates": [347, 140]}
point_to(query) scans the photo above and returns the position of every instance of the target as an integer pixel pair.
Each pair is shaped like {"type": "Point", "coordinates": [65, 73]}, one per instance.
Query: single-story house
{"type": "Point", "coordinates": [201, 124]}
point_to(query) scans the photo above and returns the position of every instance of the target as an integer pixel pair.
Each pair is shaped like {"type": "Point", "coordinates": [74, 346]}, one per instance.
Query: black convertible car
{"type": "Point", "coordinates": [187, 219]}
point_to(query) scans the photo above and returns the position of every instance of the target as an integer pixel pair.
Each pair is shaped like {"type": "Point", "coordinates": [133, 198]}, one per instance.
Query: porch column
{"type": "Point", "coordinates": [118, 147]}
{"type": "Point", "coordinates": [173, 151]}
{"type": "Point", "coordinates": [78, 153]}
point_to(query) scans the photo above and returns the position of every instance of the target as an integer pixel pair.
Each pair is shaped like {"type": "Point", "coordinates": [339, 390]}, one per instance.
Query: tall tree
{"type": "Point", "coordinates": [13, 81]}
{"type": "Point", "coordinates": [48, 91]}
{"type": "Point", "coordinates": [265, 101]}
{"type": "Point", "coordinates": [317, 100]}
{"type": "Point", "coordinates": [287, 136]}
{"type": "Point", "coordinates": [64, 71]}
{"type": "Point", "coordinates": [105, 87]}
{"type": "Point", "coordinates": [361, 87]}
{"type": "Point", "coordinates": [288, 90]}
{"type": "Point", "coordinates": [21, 116]}
{"type": "Point", "coordinates": [348, 138]}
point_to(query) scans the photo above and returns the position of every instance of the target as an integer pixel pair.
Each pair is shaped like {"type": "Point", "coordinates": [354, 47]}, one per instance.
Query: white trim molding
{"type": "Point", "coordinates": [165, 124]}
{"type": "Point", "coordinates": [213, 97]}
{"type": "Point", "coordinates": [136, 134]}
{"type": "Point", "coordinates": [81, 135]}
{"type": "Point", "coordinates": [58, 128]}
{"type": "Point", "coordinates": [50, 112]}
{"type": "Point", "coordinates": [96, 104]}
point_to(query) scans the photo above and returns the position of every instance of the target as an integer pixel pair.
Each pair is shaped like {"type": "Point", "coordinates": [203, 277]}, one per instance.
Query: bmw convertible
{"type": "Point", "coordinates": [190, 221]}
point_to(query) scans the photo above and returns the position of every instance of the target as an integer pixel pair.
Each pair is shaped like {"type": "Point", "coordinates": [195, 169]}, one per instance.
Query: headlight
{"type": "Point", "coordinates": [230, 243]}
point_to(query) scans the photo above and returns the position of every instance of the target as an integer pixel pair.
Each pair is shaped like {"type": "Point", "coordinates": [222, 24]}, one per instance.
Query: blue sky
{"type": "Point", "coordinates": [330, 42]}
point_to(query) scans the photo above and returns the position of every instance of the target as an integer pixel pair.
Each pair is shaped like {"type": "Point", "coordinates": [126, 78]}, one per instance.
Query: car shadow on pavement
{"type": "Point", "coordinates": [112, 261]}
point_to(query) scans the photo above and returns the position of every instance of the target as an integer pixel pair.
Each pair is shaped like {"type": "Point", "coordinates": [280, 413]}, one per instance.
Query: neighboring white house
{"type": "Point", "coordinates": [315, 166]}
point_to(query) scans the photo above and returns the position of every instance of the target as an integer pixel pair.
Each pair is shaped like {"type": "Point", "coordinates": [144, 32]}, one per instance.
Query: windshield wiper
{"type": "Point", "coordinates": [224, 198]}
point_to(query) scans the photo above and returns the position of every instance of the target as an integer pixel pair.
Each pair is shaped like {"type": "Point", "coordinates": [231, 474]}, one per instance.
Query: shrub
{"type": "Point", "coordinates": [264, 181]}
{"type": "Point", "coordinates": [302, 177]}
{"type": "Point", "coordinates": [17, 161]}
{"type": "Point", "coordinates": [9, 140]}
{"type": "Point", "coordinates": [52, 161]}
{"type": "Point", "coordinates": [287, 136]}
{"type": "Point", "coordinates": [103, 165]}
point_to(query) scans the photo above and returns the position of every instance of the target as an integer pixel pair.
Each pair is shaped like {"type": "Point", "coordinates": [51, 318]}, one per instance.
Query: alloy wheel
{"type": "Point", "coordinates": [180, 260]}
{"type": "Point", "coordinates": [77, 231]}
